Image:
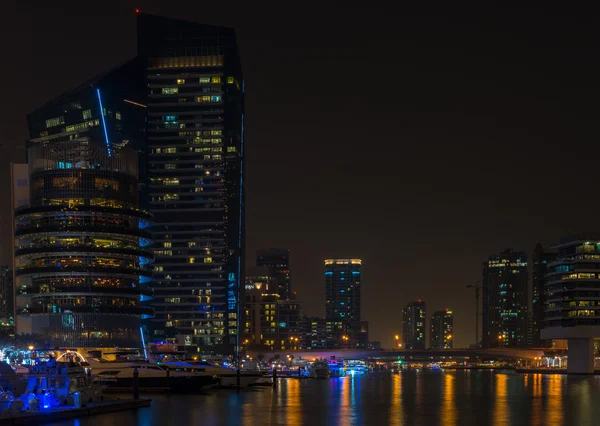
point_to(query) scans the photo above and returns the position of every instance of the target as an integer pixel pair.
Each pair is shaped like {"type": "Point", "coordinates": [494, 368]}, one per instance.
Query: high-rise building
{"type": "Point", "coordinates": [539, 267]}
{"type": "Point", "coordinates": [441, 330]}
{"type": "Point", "coordinates": [572, 299]}
{"type": "Point", "coordinates": [413, 325]}
{"type": "Point", "coordinates": [81, 249]}
{"type": "Point", "coordinates": [276, 263]}
{"type": "Point", "coordinates": [195, 145]}
{"type": "Point", "coordinates": [7, 298]}
{"type": "Point", "coordinates": [270, 323]}
{"type": "Point", "coordinates": [179, 104]}
{"type": "Point", "coordinates": [505, 278]}
{"type": "Point", "coordinates": [342, 295]}
{"type": "Point", "coordinates": [313, 333]}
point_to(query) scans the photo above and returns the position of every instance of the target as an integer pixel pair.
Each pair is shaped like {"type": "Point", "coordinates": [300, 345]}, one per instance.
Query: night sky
{"type": "Point", "coordinates": [419, 143]}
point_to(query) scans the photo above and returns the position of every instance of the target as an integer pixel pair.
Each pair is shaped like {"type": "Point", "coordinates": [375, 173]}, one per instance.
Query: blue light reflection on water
{"type": "Point", "coordinates": [409, 398]}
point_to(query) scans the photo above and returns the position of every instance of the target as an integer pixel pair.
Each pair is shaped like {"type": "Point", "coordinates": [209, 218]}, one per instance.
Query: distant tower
{"type": "Point", "coordinates": [342, 293]}
{"type": "Point", "coordinates": [413, 325]}
{"type": "Point", "coordinates": [276, 262]}
{"type": "Point", "coordinates": [442, 330]}
{"type": "Point", "coordinates": [505, 293]}
{"type": "Point", "coordinates": [539, 267]}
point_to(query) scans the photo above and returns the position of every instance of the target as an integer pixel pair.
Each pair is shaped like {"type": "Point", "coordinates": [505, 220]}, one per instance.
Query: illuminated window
{"type": "Point", "coordinates": [216, 80]}
{"type": "Point", "coordinates": [208, 260]}
{"type": "Point", "coordinates": [170, 166]}
{"type": "Point", "coordinates": [191, 244]}
{"type": "Point", "coordinates": [230, 80]}
{"type": "Point", "coordinates": [53, 122]}
{"type": "Point", "coordinates": [171, 150]}
{"type": "Point", "coordinates": [180, 81]}
{"type": "Point", "coordinates": [216, 132]}
{"type": "Point", "coordinates": [170, 90]}
{"type": "Point", "coordinates": [157, 150]}
{"type": "Point", "coordinates": [171, 181]}
{"type": "Point", "coordinates": [231, 149]}
{"type": "Point", "coordinates": [118, 115]}
{"type": "Point", "coordinates": [87, 114]}
{"type": "Point", "coordinates": [204, 79]}
{"type": "Point", "coordinates": [167, 244]}
{"type": "Point", "coordinates": [215, 98]}
{"type": "Point", "coordinates": [191, 260]}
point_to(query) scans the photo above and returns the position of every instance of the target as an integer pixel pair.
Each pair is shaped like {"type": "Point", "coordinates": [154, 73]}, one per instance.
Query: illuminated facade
{"type": "Point", "coordinates": [195, 141]}
{"type": "Point", "coordinates": [342, 295]}
{"type": "Point", "coordinates": [572, 308]}
{"type": "Point", "coordinates": [276, 262]}
{"type": "Point", "coordinates": [270, 323]}
{"type": "Point", "coordinates": [539, 268]}
{"type": "Point", "coordinates": [413, 325]}
{"type": "Point", "coordinates": [179, 104]}
{"type": "Point", "coordinates": [505, 279]}
{"type": "Point", "coordinates": [313, 333]}
{"type": "Point", "coordinates": [441, 330]}
{"type": "Point", "coordinates": [82, 251]}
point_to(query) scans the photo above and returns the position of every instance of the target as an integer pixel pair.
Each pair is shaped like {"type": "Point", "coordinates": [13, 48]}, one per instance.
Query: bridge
{"type": "Point", "coordinates": [389, 355]}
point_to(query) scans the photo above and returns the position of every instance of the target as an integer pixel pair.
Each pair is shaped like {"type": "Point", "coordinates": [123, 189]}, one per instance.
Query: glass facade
{"type": "Point", "coordinates": [276, 262]}
{"type": "Point", "coordinates": [505, 294]}
{"type": "Point", "coordinates": [82, 251]}
{"type": "Point", "coordinates": [442, 330]}
{"type": "Point", "coordinates": [573, 284]}
{"type": "Point", "coordinates": [342, 301]}
{"type": "Point", "coordinates": [195, 180]}
{"type": "Point", "coordinates": [413, 325]}
{"type": "Point", "coordinates": [539, 269]}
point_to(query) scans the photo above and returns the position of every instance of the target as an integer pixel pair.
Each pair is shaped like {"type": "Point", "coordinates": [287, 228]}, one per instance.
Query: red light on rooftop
{"type": "Point", "coordinates": [137, 11]}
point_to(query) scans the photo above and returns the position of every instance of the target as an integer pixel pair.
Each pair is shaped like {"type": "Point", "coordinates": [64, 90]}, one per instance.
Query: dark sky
{"type": "Point", "coordinates": [419, 143]}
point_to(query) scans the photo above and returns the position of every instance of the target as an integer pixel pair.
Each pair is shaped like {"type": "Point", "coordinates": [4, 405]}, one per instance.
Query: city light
{"type": "Point", "coordinates": [30, 347]}
{"type": "Point", "coordinates": [396, 337]}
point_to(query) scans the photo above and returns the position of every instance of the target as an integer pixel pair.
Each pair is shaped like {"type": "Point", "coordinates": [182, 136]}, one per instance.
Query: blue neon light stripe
{"type": "Point", "coordinates": [143, 343]}
{"type": "Point", "coordinates": [103, 121]}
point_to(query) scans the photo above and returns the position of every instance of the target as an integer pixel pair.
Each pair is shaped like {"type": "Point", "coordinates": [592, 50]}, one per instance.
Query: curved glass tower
{"type": "Point", "coordinates": [82, 251]}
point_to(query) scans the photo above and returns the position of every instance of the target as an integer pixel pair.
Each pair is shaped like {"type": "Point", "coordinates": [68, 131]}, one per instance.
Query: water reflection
{"type": "Point", "coordinates": [449, 415]}
{"type": "Point", "coordinates": [501, 413]}
{"type": "Point", "coordinates": [396, 411]}
{"type": "Point", "coordinates": [410, 398]}
{"type": "Point", "coordinates": [554, 401]}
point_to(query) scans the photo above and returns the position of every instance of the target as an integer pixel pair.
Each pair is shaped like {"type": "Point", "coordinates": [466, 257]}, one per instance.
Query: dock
{"type": "Point", "coordinates": [66, 413]}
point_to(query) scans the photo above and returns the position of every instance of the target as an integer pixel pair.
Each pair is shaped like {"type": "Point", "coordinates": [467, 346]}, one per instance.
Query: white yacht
{"type": "Point", "coordinates": [228, 376]}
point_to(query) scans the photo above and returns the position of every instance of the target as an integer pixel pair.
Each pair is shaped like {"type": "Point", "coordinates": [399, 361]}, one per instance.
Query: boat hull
{"type": "Point", "coordinates": [185, 384]}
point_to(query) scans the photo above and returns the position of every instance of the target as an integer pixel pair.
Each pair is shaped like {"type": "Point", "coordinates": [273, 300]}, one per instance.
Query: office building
{"type": "Point", "coordinates": [276, 264]}
{"type": "Point", "coordinates": [441, 330]}
{"type": "Point", "coordinates": [195, 136]}
{"type": "Point", "coordinates": [505, 279]}
{"type": "Point", "coordinates": [363, 337]}
{"type": "Point", "coordinates": [573, 299]}
{"type": "Point", "coordinates": [342, 295]}
{"type": "Point", "coordinates": [413, 325]}
{"type": "Point", "coordinates": [7, 306]}
{"type": "Point", "coordinates": [539, 267]}
{"type": "Point", "coordinates": [313, 334]}
{"type": "Point", "coordinates": [179, 104]}
{"type": "Point", "coordinates": [81, 247]}
{"type": "Point", "coordinates": [270, 323]}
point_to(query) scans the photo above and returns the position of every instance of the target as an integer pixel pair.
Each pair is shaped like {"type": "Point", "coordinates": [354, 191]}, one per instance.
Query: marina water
{"type": "Point", "coordinates": [449, 398]}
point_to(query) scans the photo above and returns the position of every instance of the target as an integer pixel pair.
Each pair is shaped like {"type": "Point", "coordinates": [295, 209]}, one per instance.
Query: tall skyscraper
{"type": "Point", "coordinates": [414, 325]}
{"type": "Point", "coordinates": [342, 295]}
{"type": "Point", "coordinates": [442, 330]}
{"type": "Point", "coordinates": [179, 104]}
{"type": "Point", "coordinates": [195, 141]}
{"type": "Point", "coordinates": [572, 305]}
{"type": "Point", "coordinates": [539, 268]}
{"type": "Point", "coordinates": [505, 278]}
{"type": "Point", "coordinates": [276, 263]}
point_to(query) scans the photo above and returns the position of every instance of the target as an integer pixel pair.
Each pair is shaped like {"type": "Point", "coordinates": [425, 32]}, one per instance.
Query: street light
{"type": "Point", "coordinates": [396, 337]}
{"type": "Point", "coordinates": [30, 347]}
